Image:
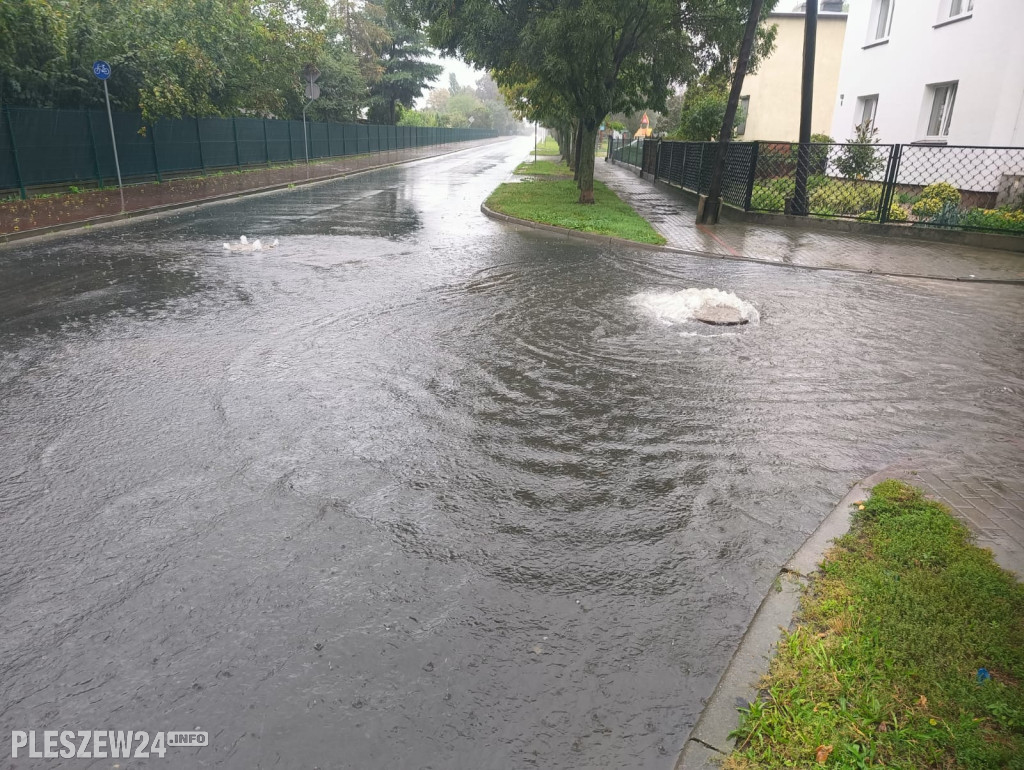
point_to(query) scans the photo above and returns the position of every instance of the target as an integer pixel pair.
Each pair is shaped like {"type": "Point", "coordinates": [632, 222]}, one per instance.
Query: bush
{"type": "Point", "coordinates": [764, 198]}
{"type": "Point", "coordinates": [926, 208]}
{"type": "Point", "coordinates": [843, 198]}
{"type": "Point", "coordinates": [994, 219]}
{"type": "Point", "coordinates": [896, 214]}
{"type": "Point", "coordinates": [859, 158]}
{"type": "Point", "coordinates": [943, 192]}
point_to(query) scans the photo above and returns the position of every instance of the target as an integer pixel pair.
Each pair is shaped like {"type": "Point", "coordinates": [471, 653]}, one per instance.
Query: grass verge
{"type": "Point", "coordinates": [547, 147]}
{"type": "Point", "coordinates": [553, 202]}
{"type": "Point", "coordinates": [909, 653]}
{"type": "Point", "coordinates": [543, 168]}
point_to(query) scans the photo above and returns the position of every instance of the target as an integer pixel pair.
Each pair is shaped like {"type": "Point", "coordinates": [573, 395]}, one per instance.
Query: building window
{"type": "Point", "coordinates": [741, 115]}
{"type": "Point", "coordinates": [943, 98]}
{"type": "Point", "coordinates": [960, 7]}
{"type": "Point", "coordinates": [866, 108]}
{"type": "Point", "coordinates": [881, 20]}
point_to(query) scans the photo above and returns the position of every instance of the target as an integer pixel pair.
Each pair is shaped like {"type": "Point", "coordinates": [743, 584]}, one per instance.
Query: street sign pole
{"type": "Point", "coordinates": [102, 71]}
{"type": "Point", "coordinates": [312, 93]}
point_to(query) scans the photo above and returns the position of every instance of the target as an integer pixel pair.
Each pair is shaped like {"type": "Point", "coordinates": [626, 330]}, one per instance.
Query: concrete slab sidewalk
{"type": "Point", "coordinates": [673, 214]}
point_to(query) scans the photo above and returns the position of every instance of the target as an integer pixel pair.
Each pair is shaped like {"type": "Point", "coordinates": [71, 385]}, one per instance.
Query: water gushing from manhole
{"type": "Point", "coordinates": [711, 306]}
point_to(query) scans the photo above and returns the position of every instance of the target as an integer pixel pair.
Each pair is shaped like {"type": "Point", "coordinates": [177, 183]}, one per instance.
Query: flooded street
{"type": "Point", "coordinates": [416, 490]}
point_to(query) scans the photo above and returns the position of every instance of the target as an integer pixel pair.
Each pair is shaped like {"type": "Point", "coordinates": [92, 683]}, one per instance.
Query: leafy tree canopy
{"type": "Point", "coordinates": [594, 56]}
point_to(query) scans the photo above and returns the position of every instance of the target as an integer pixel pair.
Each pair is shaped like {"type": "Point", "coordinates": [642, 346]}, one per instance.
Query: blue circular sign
{"type": "Point", "coordinates": [101, 69]}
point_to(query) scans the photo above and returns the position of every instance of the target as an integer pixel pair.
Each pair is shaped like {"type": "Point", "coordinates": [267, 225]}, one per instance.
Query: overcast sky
{"type": "Point", "coordinates": [466, 74]}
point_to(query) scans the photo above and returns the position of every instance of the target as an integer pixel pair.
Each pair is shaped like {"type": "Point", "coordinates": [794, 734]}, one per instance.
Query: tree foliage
{"type": "Point", "coordinates": [479, 106]}
{"type": "Point", "coordinates": [593, 57]}
{"type": "Point", "coordinates": [210, 57]}
{"type": "Point", "coordinates": [404, 72]}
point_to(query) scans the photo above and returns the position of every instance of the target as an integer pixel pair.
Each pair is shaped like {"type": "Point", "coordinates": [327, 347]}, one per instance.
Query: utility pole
{"type": "Point", "coordinates": [803, 157]}
{"type": "Point", "coordinates": [710, 204]}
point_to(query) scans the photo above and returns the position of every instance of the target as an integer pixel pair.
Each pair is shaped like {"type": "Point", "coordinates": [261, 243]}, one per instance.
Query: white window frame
{"type": "Point", "coordinates": [940, 116]}
{"type": "Point", "coordinates": [954, 10]}
{"type": "Point", "coordinates": [744, 110]}
{"type": "Point", "coordinates": [868, 107]}
{"type": "Point", "coordinates": [881, 20]}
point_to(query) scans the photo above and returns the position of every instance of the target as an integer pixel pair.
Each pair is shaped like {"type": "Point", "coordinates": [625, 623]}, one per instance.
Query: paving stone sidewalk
{"type": "Point", "coordinates": [989, 500]}
{"type": "Point", "coordinates": [673, 215]}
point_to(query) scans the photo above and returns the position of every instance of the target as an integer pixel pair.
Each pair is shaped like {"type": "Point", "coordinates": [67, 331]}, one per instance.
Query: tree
{"type": "Point", "coordinates": [703, 110]}
{"type": "Point", "coordinates": [405, 73]}
{"type": "Point", "coordinates": [599, 56]}
{"type": "Point", "coordinates": [858, 159]}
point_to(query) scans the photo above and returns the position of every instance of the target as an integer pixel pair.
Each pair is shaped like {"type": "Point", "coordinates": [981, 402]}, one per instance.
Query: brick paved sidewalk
{"type": "Point", "coordinates": [673, 215]}
{"type": "Point", "coordinates": [989, 500]}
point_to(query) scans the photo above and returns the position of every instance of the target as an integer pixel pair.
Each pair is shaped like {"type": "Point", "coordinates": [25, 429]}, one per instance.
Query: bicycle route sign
{"type": "Point", "coordinates": [101, 69]}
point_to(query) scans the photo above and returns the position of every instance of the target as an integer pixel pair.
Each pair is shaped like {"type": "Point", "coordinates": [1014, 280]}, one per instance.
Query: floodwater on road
{"type": "Point", "coordinates": [415, 490]}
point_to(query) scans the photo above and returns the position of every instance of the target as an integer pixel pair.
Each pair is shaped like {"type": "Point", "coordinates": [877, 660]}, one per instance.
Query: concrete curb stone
{"type": "Point", "coordinates": [709, 743]}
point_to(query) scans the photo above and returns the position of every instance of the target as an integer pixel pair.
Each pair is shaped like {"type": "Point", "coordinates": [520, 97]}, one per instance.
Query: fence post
{"type": "Point", "coordinates": [889, 184]}
{"type": "Point", "coordinates": [92, 143]}
{"type": "Point", "coordinates": [291, 155]}
{"type": "Point", "coordinates": [266, 142]}
{"type": "Point", "coordinates": [330, 152]}
{"type": "Point", "coordinates": [751, 175]}
{"type": "Point", "coordinates": [14, 152]}
{"type": "Point", "coordinates": [199, 139]}
{"type": "Point", "coordinates": [156, 160]}
{"type": "Point", "coordinates": [238, 155]}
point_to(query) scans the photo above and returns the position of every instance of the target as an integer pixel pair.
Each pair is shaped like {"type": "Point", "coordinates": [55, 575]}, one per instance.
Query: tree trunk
{"type": "Point", "coordinates": [578, 148]}
{"type": "Point", "coordinates": [588, 145]}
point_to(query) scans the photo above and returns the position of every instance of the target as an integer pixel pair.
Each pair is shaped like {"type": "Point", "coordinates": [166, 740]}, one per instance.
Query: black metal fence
{"type": "Point", "coordinates": [969, 188]}
{"type": "Point", "coordinates": [46, 147]}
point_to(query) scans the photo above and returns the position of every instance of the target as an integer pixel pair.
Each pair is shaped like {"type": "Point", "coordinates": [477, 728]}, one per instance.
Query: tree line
{"type": "Point", "coordinates": [172, 58]}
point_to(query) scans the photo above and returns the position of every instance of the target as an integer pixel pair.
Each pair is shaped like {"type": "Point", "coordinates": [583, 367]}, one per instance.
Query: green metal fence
{"type": "Point", "coordinates": [46, 147]}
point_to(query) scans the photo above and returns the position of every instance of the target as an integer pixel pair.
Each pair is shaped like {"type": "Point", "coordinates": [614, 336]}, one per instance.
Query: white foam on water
{"type": "Point", "coordinates": [677, 307]}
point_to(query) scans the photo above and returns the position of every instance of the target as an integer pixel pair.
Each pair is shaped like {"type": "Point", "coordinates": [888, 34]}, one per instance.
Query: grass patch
{"type": "Point", "coordinates": [883, 669]}
{"type": "Point", "coordinates": [553, 202]}
{"type": "Point", "coordinates": [547, 147]}
{"type": "Point", "coordinates": [543, 168]}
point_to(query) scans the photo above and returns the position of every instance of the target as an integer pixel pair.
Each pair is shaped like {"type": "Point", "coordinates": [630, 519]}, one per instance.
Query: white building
{"type": "Point", "coordinates": [943, 72]}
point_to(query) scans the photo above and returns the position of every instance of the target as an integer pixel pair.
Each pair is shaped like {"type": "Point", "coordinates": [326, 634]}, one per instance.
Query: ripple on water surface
{"type": "Point", "coordinates": [411, 488]}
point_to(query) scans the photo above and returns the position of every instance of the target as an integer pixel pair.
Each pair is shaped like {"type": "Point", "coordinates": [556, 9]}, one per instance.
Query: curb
{"type": "Point", "coordinates": [708, 742]}
{"type": "Point", "coordinates": [612, 240]}
{"type": "Point", "coordinates": [157, 211]}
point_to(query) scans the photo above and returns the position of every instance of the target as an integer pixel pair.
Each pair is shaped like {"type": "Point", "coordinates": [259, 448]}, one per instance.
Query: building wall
{"type": "Point", "coordinates": [774, 91]}
{"type": "Point", "coordinates": [984, 53]}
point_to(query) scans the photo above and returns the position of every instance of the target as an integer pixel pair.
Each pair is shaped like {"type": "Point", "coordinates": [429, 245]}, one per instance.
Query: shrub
{"type": "Point", "coordinates": [896, 214]}
{"type": "Point", "coordinates": [994, 219]}
{"type": "Point", "coordinates": [943, 192]}
{"type": "Point", "coordinates": [859, 158]}
{"type": "Point", "coordinates": [844, 198]}
{"type": "Point", "coordinates": [765, 198]}
{"type": "Point", "coordinates": [926, 208]}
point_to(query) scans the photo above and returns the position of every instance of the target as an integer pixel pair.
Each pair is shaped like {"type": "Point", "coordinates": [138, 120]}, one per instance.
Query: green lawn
{"type": "Point", "coordinates": [543, 168]}
{"type": "Point", "coordinates": [553, 202]}
{"type": "Point", "coordinates": [883, 669]}
{"type": "Point", "coordinates": [547, 147]}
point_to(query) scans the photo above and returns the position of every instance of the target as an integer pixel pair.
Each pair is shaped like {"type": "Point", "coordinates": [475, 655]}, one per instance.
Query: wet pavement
{"type": "Point", "coordinates": [414, 490]}
{"type": "Point", "coordinates": [673, 214]}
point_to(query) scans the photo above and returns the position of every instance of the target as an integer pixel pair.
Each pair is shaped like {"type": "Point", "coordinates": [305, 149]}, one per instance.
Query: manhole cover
{"type": "Point", "coordinates": [720, 315]}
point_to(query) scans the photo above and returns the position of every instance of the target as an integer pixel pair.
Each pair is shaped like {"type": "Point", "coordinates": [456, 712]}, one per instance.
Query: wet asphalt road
{"type": "Point", "coordinates": [413, 490]}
